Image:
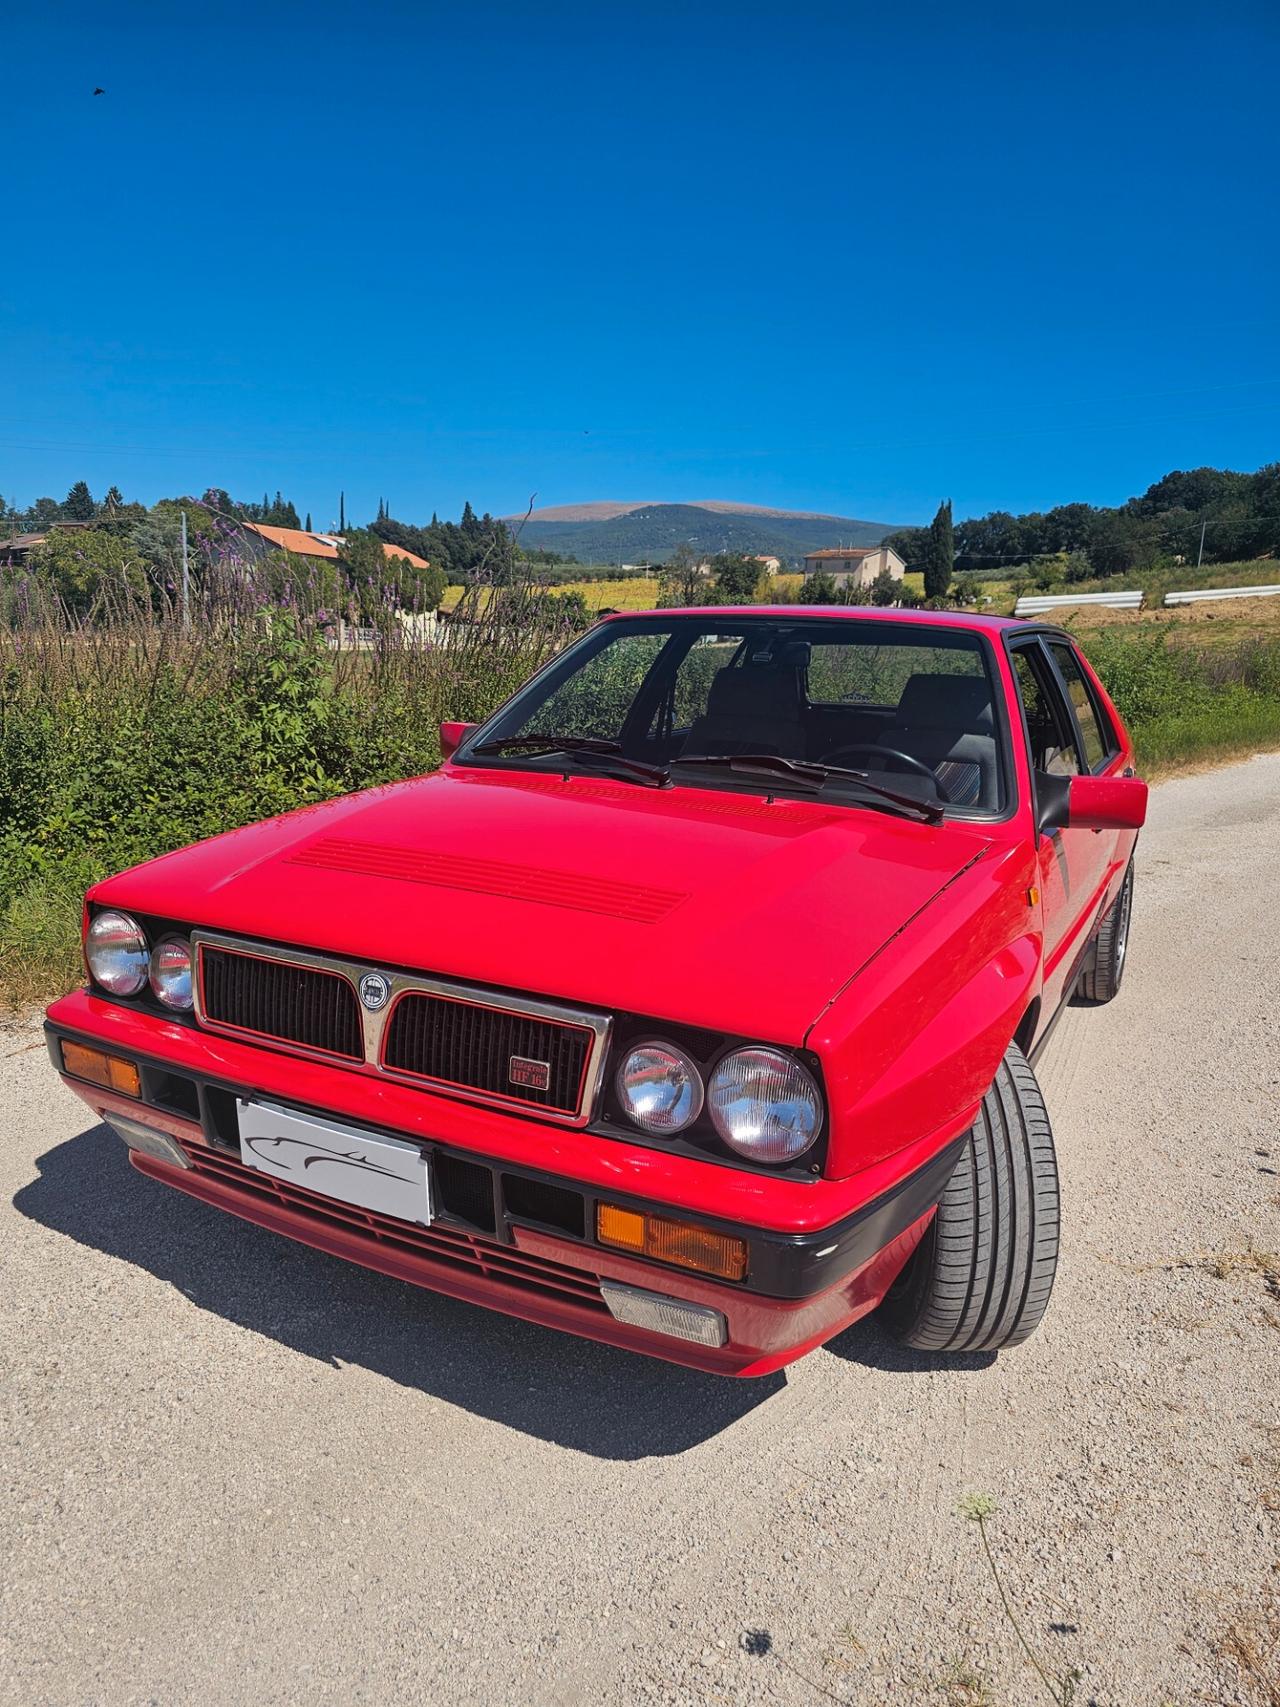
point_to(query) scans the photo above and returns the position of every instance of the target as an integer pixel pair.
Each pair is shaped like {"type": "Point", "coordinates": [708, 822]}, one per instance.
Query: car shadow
{"type": "Point", "coordinates": [867, 1343]}
{"type": "Point", "coordinates": [594, 1398]}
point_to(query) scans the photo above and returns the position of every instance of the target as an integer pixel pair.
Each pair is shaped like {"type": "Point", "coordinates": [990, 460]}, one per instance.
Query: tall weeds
{"type": "Point", "coordinates": [125, 732]}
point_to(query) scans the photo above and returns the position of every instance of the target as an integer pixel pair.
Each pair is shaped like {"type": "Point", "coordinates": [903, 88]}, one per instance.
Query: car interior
{"type": "Point", "coordinates": [941, 725]}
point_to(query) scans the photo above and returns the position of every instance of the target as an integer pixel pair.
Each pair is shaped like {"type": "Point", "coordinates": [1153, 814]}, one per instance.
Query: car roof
{"type": "Point", "coordinates": [845, 613]}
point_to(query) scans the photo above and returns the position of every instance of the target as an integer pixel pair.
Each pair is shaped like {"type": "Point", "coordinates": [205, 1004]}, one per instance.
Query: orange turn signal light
{"type": "Point", "coordinates": [99, 1068]}
{"type": "Point", "coordinates": [682, 1243]}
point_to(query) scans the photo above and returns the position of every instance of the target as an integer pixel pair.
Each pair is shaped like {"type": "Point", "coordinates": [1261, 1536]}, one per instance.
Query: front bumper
{"type": "Point", "coordinates": [508, 1236]}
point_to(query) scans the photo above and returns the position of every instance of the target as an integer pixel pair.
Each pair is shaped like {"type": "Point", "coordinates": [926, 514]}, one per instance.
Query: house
{"type": "Point", "coordinates": [303, 544]}
{"type": "Point", "coordinates": [859, 564]}
{"type": "Point", "coordinates": [770, 565]}
{"type": "Point", "coordinates": [14, 552]}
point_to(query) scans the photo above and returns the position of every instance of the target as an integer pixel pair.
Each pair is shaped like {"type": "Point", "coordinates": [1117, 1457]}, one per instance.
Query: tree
{"type": "Point", "coordinates": [307, 523]}
{"type": "Point", "coordinates": [818, 589]}
{"type": "Point", "coordinates": [81, 565]}
{"type": "Point", "coordinates": [78, 506]}
{"type": "Point", "coordinates": [382, 584]}
{"type": "Point", "coordinates": [736, 578]}
{"type": "Point", "coordinates": [940, 556]}
{"type": "Point", "coordinates": [683, 582]}
{"type": "Point", "coordinates": [885, 590]}
{"type": "Point", "coordinates": [911, 545]}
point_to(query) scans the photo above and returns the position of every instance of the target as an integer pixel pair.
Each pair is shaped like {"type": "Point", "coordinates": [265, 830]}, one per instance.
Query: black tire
{"type": "Point", "coordinates": [980, 1278]}
{"type": "Point", "coordinates": [1101, 979]}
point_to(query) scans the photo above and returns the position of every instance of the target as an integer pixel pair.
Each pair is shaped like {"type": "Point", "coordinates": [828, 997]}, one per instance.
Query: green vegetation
{"type": "Point", "coordinates": [940, 554]}
{"type": "Point", "coordinates": [1236, 515]}
{"type": "Point", "coordinates": [124, 734]}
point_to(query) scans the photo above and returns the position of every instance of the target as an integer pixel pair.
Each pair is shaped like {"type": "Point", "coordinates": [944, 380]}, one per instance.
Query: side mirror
{"type": "Point", "coordinates": [452, 735]}
{"type": "Point", "coordinates": [1091, 802]}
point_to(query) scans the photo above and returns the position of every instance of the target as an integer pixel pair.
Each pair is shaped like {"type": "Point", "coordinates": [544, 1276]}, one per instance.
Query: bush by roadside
{"type": "Point", "coordinates": [124, 736]}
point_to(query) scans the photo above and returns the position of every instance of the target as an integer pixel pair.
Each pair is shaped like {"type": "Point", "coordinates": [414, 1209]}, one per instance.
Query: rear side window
{"type": "Point", "coordinates": [1096, 744]}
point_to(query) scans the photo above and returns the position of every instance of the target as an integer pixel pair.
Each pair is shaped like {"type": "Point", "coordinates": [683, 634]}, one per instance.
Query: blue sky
{"type": "Point", "coordinates": [834, 257]}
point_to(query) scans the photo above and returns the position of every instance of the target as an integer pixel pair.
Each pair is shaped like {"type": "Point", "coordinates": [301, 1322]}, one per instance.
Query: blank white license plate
{"type": "Point", "coordinates": [338, 1161]}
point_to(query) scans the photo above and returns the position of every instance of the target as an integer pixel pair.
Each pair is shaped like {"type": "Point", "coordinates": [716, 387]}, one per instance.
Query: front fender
{"type": "Point", "coordinates": [912, 1042]}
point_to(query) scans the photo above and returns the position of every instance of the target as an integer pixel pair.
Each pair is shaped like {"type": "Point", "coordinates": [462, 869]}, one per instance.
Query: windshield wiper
{"type": "Point", "coordinates": [608, 754]}
{"type": "Point", "coordinates": [815, 774]}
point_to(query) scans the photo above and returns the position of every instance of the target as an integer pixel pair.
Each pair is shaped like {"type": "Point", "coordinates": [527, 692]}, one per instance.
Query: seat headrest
{"type": "Point", "coordinates": [945, 702]}
{"type": "Point", "coordinates": [755, 690]}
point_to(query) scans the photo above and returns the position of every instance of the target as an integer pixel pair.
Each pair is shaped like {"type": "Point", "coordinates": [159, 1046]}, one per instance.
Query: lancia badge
{"type": "Point", "coordinates": [374, 991]}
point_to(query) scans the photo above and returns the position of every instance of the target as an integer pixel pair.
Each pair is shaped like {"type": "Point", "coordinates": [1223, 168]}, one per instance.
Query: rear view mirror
{"type": "Point", "coordinates": [452, 735]}
{"type": "Point", "coordinates": [1091, 802]}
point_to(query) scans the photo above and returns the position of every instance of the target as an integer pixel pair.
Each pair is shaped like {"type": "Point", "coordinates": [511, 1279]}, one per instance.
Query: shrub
{"type": "Point", "coordinates": [123, 735]}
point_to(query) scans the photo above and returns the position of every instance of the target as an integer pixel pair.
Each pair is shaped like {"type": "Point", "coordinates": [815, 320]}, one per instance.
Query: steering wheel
{"type": "Point", "coordinates": [908, 760]}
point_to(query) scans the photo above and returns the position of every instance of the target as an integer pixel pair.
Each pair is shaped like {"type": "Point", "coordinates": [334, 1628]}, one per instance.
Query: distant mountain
{"type": "Point", "coordinates": [606, 532]}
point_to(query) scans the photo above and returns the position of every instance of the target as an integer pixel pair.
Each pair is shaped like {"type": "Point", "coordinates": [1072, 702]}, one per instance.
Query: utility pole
{"type": "Point", "coordinates": [186, 577]}
{"type": "Point", "coordinates": [1203, 525]}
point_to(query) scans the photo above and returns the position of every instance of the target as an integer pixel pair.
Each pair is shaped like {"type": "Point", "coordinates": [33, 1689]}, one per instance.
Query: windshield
{"type": "Point", "coordinates": [863, 712]}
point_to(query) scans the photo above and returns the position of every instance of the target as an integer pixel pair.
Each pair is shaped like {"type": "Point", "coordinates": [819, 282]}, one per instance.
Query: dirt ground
{"type": "Point", "coordinates": [237, 1471]}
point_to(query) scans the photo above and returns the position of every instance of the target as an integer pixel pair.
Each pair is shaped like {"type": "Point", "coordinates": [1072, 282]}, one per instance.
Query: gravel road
{"type": "Point", "coordinates": [237, 1471]}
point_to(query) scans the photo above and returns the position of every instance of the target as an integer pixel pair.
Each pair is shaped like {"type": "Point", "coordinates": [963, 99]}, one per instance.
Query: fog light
{"type": "Point", "coordinates": [149, 1139]}
{"type": "Point", "coordinates": [684, 1244]}
{"type": "Point", "coordinates": [99, 1068]}
{"type": "Point", "coordinates": [661, 1315]}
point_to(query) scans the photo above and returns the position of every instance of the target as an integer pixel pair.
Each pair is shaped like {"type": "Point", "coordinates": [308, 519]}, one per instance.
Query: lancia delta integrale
{"type": "Point", "coordinates": [690, 1006]}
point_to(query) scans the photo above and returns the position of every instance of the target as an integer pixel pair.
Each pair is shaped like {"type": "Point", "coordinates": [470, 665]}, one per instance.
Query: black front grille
{"type": "Point", "coordinates": [297, 1004]}
{"type": "Point", "coordinates": [489, 1051]}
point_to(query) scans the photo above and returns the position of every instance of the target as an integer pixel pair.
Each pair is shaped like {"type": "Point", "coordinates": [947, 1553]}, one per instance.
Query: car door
{"type": "Point", "coordinates": [1073, 864]}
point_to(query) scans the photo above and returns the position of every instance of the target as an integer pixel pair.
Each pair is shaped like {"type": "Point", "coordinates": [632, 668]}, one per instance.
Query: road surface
{"type": "Point", "coordinates": [238, 1471]}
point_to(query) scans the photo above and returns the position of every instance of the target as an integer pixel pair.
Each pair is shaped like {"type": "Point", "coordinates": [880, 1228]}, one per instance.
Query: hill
{"type": "Point", "coordinates": [648, 533]}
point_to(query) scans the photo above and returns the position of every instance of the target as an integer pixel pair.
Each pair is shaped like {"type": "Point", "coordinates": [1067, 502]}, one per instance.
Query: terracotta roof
{"type": "Point", "coordinates": [324, 545]}
{"type": "Point", "coordinates": [409, 556]}
{"type": "Point", "coordinates": [845, 551]}
{"type": "Point", "coordinates": [295, 540]}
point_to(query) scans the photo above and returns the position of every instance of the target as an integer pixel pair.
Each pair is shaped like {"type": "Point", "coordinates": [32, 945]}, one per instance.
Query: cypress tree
{"type": "Point", "coordinates": [940, 558]}
{"type": "Point", "coordinates": [308, 522]}
{"type": "Point", "coordinates": [342, 512]}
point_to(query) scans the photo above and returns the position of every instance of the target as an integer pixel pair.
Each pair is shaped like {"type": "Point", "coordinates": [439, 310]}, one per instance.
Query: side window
{"type": "Point", "coordinates": [1097, 742]}
{"type": "Point", "coordinates": [1053, 747]}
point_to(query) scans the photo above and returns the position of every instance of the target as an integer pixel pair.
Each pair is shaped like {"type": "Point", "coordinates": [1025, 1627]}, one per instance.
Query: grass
{"type": "Point", "coordinates": [1250, 1643]}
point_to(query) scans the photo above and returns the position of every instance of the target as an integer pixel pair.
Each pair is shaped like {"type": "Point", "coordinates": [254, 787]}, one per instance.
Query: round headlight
{"type": "Point", "coordinates": [659, 1088]}
{"type": "Point", "coordinates": [171, 972]}
{"type": "Point", "coordinates": [116, 952]}
{"type": "Point", "coordinates": [764, 1105]}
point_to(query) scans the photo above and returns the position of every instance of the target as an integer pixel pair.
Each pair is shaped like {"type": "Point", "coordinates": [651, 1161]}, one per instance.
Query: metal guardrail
{"type": "Point", "coordinates": [1038, 605]}
{"type": "Point", "coordinates": [1205, 593]}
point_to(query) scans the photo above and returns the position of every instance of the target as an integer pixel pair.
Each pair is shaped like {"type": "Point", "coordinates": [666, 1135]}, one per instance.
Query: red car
{"type": "Point", "coordinates": [688, 1007]}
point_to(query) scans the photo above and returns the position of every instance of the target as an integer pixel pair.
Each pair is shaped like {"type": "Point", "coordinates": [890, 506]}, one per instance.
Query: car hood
{"type": "Point", "coordinates": [700, 906]}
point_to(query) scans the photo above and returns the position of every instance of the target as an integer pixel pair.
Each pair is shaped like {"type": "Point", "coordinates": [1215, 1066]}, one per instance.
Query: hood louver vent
{"type": "Point", "coordinates": [493, 877]}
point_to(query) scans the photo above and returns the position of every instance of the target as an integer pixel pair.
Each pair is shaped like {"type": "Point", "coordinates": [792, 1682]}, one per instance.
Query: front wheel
{"type": "Point", "coordinates": [980, 1278]}
{"type": "Point", "coordinates": [1102, 980]}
